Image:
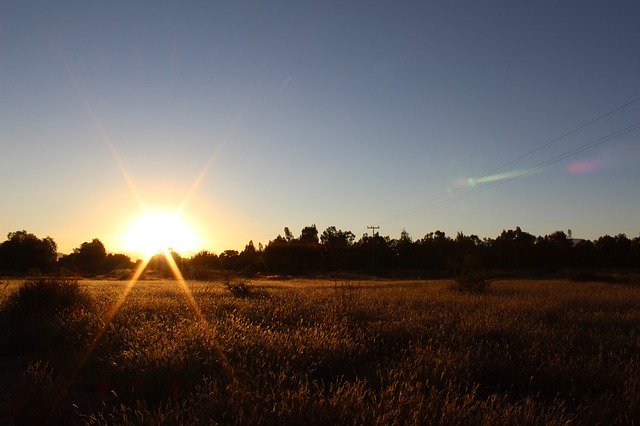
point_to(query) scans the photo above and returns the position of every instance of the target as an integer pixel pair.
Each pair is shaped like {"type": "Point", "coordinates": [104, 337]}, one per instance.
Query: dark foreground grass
{"type": "Point", "coordinates": [320, 352]}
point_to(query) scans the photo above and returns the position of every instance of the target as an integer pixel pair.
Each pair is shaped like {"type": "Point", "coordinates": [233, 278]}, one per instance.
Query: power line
{"type": "Point", "coordinates": [534, 168]}
{"type": "Point", "coordinates": [528, 171]}
{"type": "Point", "coordinates": [564, 135]}
{"type": "Point", "coordinates": [410, 212]}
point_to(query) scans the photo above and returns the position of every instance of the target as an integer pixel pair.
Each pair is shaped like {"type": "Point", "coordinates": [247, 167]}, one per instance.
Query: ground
{"type": "Point", "coordinates": [327, 352]}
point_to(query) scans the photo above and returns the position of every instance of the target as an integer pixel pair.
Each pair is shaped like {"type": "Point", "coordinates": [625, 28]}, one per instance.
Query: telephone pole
{"type": "Point", "coordinates": [373, 243]}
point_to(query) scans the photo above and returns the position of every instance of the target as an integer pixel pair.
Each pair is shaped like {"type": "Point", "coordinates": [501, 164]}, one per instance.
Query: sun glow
{"type": "Point", "coordinates": [156, 231]}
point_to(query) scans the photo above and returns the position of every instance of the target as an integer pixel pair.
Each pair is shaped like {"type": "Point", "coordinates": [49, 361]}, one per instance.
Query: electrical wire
{"type": "Point", "coordinates": [528, 171]}
{"type": "Point", "coordinates": [425, 204]}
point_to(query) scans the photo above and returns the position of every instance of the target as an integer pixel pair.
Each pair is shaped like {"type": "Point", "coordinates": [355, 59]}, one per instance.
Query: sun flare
{"type": "Point", "coordinates": [156, 231]}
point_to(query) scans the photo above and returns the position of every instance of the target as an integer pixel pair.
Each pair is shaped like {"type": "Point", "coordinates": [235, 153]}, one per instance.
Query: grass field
{"type": "Point", "coordinates": [325, 352]}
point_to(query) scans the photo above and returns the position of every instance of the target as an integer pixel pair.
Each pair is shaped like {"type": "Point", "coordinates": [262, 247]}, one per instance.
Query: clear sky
{"type": "Point", "coordinates": [273, 114]}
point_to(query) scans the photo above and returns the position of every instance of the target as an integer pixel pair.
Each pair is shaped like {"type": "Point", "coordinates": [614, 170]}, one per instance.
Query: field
{"type": "Point", "coordinates": [326, 352]}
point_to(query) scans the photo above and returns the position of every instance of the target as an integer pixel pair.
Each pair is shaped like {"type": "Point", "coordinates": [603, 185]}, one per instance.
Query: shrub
{"type": "Point", "coordinates": [470, 276]}
{"type": "Point", "coordinates": [47, 296]}
{"type": "Point", "coordinates": [121, 274]}
{"type": "Point", "coordinates": [44, 314]}
{"type": "Point", "coordinates": [238, 288]}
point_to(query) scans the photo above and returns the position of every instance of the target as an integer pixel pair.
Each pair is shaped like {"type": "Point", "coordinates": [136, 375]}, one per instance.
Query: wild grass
{"type": "Point", "coordinates": [326, 352]}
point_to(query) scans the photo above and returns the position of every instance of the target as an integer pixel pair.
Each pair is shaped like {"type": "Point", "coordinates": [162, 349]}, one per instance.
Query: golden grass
{"type": "Point", "coordinates": [363, 352]}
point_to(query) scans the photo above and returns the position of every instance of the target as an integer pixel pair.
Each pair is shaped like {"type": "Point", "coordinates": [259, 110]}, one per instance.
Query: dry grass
{"type": "Point", "coordinates": [325, 352]}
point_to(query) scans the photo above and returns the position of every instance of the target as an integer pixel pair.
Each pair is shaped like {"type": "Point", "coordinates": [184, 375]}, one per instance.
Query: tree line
{"type": "Point", "coordinates": [337, 250]}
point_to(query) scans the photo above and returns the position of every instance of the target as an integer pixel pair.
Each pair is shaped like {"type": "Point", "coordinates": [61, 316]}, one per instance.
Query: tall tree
{"type": "Point", "coordinates": [334, 239]}
{"type": "Point", "coordinates": [24, 251]}
{"type": "Point", "coordinates": [309, 235]}
{"type": "Point", "coordinates": [91, 257]}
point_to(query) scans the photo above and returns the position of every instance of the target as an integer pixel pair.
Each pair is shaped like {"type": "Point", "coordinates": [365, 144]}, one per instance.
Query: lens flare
{"type": "Point", "coordinates": [496, 177]}
{"type": "Point", "coordinates": [153, 232]}
{"type": "Point", "coordinates": [583, 166]}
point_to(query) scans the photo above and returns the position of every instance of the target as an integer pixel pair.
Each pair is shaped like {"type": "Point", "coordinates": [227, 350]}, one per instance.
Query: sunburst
{"type": "Point", "coordinates": [153, 232]}
{"type": "Point", "coordinates": [156, 231]}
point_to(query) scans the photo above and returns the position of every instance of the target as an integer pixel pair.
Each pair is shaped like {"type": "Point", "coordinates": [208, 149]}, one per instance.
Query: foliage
{"type": "Point", "coordinates": [238, 288]}
{"type": "Point", "coordinates": [23, 252]}
{"type": "Point", "coordinates": [46, 296]}
{"type": "Point", "coordinates": [36, 315]}
{"type": "Point", "coordinates": [470, 276]}
{"type": "Point", "coordinates": [514, 250]}
{"type": "Point", "coordinates": [294, 255]}
{"type": "Point", "coordinates": [334, 239]}
{"type": "Point", "coordinates": [335, 250]}
{"type": "Point", "coordinates": [92, 259]}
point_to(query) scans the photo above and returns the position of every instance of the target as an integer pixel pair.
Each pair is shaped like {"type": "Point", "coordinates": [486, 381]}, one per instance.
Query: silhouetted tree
{"type": "Point", "coordinates": [91, 257]}
{"type": "Point", "coordinates": [202, 265]}
{"type": "Point", "coordinates": [288, 236]}
{"type": "Point", "coordinates": [250, 261]}
{"type": "Point", "coordinates": [374, 251]}
{"type": "Point", "coordinates": [230, 260]}
{"type": "Point", "coordinates": [635, 252]}
{"type": "Point", "coordinates": [434, 251]}
{"type": "Point", "coordinates": [466, 245]}
{"type": "Point", "coordinates": [333, 239]}
{"type": "Point", "coordinates": [513, 249]}
{"type": "Point", "coordinates": [23, 252]}
{"type": "Point", "coordinates": [337, 249]}
{"type": "Point", "coordinates": [160, 264]}
{"type": "Point", "coordinates": [583, 254]}
{"type": "Point", "coordinates": [278, 255]}
{"type": "Point", "coordinates": [205, 260]}
{"type": "Point", "coordinates": [291, 255]}
{"type": "Point", "coordinates": [250, 249]}
{"type": "Point", "coordinates": [309, 235]}
{"type": "Point", "coordinates": [405, 251]}
{"type": "Point", "coordinates": [307, 251]}
{"type": "Point", "coordinates": [116, 261]}
{"type": "Point", "coordinates": [613, 251]}
{"type": "Point", "coordinates": [553, 250]}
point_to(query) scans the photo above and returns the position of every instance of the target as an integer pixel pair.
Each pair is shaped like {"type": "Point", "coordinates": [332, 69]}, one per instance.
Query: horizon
{"type": "Point", "coordinates": [241, 119]}
{"type": "Point", "coordinates": [139, 256]}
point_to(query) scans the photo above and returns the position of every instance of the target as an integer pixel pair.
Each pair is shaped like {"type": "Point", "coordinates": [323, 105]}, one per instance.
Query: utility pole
{"type": "Point", "coordinates": [373, 243]}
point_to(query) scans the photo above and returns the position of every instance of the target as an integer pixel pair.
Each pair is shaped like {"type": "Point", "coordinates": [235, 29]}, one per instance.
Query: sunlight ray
{"type": "Point", "coordinates": [183, 285]}
{"type": "Point", "coordinates": [111, 313]}
{"type": "Point", "coordinates": [191, 301]}
{"type": "Point", "coordinates": [207, 165]}
{"type": "Point", "coordinates": [112, 150]}
{"type": "Point", "coordinates": [115, 307]}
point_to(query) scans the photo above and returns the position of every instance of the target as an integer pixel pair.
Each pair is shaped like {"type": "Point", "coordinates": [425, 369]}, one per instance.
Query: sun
{"type": "Point", "coordinates": [157, 231]}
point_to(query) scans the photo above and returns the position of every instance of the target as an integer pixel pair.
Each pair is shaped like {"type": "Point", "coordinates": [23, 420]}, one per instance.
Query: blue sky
{"type": "Point", "coordinates": [333, 113]}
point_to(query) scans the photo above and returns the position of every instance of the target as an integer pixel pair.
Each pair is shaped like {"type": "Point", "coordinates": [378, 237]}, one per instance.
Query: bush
{"type": "Point", "coordinates": [470, 276]}
{"type": "Point", "coordinates": [46, 296]}
{"type": "Point", "coordinates": [239, 288]}
{"type": "Point", "coordinates": [44, 314]}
